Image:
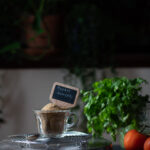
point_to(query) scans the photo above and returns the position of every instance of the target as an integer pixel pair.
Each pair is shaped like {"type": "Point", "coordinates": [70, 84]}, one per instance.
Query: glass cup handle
{"type": "Point", "coordinates": [74, 121]}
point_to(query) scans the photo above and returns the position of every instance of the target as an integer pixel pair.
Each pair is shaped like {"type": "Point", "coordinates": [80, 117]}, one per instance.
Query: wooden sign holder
{"type": "Point", "coordinates": [60, 103]}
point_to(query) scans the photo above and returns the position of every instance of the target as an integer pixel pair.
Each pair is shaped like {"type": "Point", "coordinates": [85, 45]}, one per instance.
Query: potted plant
{"type": "Point", "coordinates": [114, 104]}
{"type": "Point", "coordinates": [43, 27]}
{"type": "Point", "coordinates": [33, 30]}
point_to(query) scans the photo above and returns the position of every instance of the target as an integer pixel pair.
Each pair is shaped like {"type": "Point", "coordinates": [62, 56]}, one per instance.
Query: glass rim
{"type": "Point", "coordinates": [52, 111]}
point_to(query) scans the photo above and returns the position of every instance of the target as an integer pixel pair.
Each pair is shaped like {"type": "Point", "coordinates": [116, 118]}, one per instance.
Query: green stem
{"type": "Point", "coordinates": [41, 7]}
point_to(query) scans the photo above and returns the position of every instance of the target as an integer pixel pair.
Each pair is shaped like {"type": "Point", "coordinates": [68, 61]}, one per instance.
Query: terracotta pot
{"type": "Point", "coordinates": [49, 41]}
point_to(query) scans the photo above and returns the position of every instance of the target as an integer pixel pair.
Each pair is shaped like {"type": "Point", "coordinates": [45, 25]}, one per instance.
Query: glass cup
{"type": "Point", "coordinates": [54, 123]}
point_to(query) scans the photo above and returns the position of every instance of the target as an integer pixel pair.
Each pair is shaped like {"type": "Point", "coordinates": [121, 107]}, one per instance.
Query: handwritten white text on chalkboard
{"type": "Point", "coordinates": [64, 94]}
{"type": "Point", "coordinates": [63, 89]}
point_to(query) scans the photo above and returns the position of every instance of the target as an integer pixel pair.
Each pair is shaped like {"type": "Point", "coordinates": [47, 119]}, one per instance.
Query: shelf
{"type": "Point", "coordinates": [133, 60]}
{"type": "Point", "coordinates": [59, 61]}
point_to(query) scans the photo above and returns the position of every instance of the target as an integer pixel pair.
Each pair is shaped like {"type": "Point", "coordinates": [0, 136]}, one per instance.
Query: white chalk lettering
{"type": "Point", "coordinates": [63, 89]}
{"type": "Point", "coordinates": [64, 94]}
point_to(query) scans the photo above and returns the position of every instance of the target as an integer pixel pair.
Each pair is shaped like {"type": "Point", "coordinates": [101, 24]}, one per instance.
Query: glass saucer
{"type": "Point", "coordinates": [68, 136]}
{"type": "Point", "coordinates": [71, 140]}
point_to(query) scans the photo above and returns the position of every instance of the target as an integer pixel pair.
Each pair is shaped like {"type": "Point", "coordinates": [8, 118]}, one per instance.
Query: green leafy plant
{"type": "Point", "coordinates": [12, 21]}
{"type": "Point", "coordinates": [112, 104]}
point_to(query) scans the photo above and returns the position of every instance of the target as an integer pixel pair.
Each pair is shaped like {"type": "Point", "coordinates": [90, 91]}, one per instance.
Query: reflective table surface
{"type": "Point", "coordinates": [72, 140]}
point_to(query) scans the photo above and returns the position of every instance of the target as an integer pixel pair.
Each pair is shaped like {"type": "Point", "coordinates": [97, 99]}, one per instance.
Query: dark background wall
{"type": "Point", "coordinates": [103, 33]}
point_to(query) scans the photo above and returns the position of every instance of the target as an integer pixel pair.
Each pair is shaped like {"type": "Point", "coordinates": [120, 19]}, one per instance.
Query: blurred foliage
{"type": "Point", "coordinates": [89, 39]}
{"type": "Point", "coordinates": [12, 15]}
{"type": "Point", "coordinates": [98, 30]}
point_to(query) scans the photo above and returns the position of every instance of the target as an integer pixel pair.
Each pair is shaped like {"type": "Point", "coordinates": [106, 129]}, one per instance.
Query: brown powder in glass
{"type": "Point", "coordinates": [52, 122]}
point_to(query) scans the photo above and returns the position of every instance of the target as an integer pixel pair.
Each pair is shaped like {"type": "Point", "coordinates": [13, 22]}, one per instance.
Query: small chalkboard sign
{"type": "Point", "coordinates": [64, 96]}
